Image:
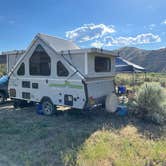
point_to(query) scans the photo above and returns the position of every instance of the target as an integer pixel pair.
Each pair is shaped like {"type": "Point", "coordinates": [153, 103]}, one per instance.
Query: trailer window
{"type": "Point", "coordinates": [40, 63]}
{"type": "Point", "coordinates": [102, 64]}
{"type": "Point", "coordinates": [61, 70]}
{"type": "Point", "coordinates": [21, 70]}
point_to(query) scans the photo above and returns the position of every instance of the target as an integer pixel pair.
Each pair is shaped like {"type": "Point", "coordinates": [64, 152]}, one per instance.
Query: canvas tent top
{"type": "Point", "coordinates": [66, 46]}
{"type": "Point", "coordinates": [58, 44]}
{"type": "Point", "coordinates": [61, 47]}
{"type": "Point", "coordinates": [123, 66]}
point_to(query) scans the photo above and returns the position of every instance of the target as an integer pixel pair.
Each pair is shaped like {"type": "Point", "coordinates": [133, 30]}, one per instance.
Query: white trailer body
{"type": "Point", "coordinates": [57, 69]}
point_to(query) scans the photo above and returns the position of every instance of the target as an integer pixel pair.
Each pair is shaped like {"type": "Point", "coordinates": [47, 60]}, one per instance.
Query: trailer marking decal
{"type": "Point", "coordinates": [57, 85]}
{"type": "Point", "coordinates": [67, 84]}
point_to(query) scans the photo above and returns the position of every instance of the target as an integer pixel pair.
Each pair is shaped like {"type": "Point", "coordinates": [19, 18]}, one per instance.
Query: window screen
{"type": "Point", "coordinates": [102, 64]}
{"type": "Point", "coordinates": [21, 70]}
{"type": "Point", "coordinates": [40, 62]}
{"type": "Point", "coordinates": [61, 70]}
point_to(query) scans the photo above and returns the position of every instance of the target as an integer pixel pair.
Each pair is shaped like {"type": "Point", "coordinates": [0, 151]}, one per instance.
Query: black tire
{"type": "Point", "coordinates": [2, 98]}
{"type": "Point", "coordinates": [20, 103]}
{"type": "Point", "coordinates": [48, 107]}
{"type": "Point", "coordinates": [16, 103]}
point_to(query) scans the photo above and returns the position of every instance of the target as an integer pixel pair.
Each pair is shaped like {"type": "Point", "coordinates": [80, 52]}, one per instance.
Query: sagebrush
{"type": "Point", "coordinates": [150, 102]}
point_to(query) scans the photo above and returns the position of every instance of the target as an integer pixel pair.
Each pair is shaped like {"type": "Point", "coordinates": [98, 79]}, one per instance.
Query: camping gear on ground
{"type": "Point", "coordinates": [123, 99]}
{"type": "Point", "coordinates": [121, 110]}
{"type": "Point", "coordinates": [111, 103]}
{"type": "Point", "coordinates": [121, 89]}
{"type": "Point", "coordinates": [39, 108]}
{"type": "Point", "coordinates": [4, 79]}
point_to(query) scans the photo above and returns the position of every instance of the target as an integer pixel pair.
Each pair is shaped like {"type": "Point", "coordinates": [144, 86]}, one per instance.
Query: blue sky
{"type": "Point", "coordinates": [109, 24]}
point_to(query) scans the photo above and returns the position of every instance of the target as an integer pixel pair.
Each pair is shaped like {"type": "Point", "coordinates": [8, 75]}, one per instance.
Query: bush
{"type": "Point", "coordinates": [150, 103]}
{"type": "Point", "coordinates": [163, 83]}
{"type": "Point", "coordinates": [2, 69]}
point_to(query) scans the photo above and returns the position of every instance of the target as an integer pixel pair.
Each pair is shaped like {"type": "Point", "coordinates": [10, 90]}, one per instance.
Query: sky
{"type": "Point", "coordinates": [108, 24]}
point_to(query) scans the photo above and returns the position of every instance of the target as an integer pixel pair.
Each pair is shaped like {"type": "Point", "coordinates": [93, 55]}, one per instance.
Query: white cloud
{"type": "Point", "coordinates": [123, 41]}
{"type": "Point", "coordinates": [164, 22]}
{"type": "Point", "coordinates": [152, 26]}
{"type": "Point", "coordinates": [100, 35]}
{"type": "Point", "coordinates": [97, 44]}
{"type": "Point", "coordinates": [89, 32]}
{"type": "Point", "coordinates": [163, 47]}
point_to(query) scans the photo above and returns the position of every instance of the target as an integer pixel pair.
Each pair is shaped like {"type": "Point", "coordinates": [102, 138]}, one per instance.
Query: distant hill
{"type": "Point", "coordinates": [152, 60]}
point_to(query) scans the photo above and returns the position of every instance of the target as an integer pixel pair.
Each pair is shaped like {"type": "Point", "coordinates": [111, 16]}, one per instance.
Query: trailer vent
{"type": "Point", "coordinates": [25, 95]}
{"type": "Point", "coordinates": [26, 84]}
{"type": "Point", "coordinates": [35, 85]}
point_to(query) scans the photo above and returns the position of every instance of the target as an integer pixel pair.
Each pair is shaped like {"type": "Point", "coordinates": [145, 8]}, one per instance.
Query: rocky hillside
{"type": "Point", "coordinates": [152, 60]}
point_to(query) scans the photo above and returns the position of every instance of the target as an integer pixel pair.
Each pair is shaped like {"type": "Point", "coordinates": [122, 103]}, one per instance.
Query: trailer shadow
{"type": "Point", "coordinates": [27, 137]}
{"type": "Point", "coordinates": [111, 121]}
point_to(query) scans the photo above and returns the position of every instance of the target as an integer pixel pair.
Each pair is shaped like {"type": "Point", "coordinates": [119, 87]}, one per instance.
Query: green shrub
{"type": "Point", "coordinates": [2, 69]}
{"type": "Point", "coordinates": [150, 103]}
{"type": "Point", "coordinates": [163, 83]}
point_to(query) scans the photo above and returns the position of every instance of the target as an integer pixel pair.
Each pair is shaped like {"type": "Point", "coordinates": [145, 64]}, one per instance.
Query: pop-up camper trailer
{"type": "Point", "coordinates": [55, 72]}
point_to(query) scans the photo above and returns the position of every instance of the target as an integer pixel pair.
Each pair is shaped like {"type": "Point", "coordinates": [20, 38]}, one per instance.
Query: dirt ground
{"type": "Point", "coordinates": [27, 138]}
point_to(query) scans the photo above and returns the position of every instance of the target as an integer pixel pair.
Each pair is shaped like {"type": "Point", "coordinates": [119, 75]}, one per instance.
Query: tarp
{"type": "Point", "coordinates": [123, 66]}
{"type": "Point", "coordinates": [4, 79]}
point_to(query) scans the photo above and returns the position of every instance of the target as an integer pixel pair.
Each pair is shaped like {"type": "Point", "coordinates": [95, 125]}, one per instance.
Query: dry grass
{"type": "Point", "coordinates": [126, 147]}
{"type": "Point", "coordinates": [140, 78]}
{"type": "Point", "coordinates": [69, 137]}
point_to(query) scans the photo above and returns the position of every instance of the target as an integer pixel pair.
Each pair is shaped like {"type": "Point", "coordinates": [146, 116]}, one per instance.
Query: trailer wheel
{"type": "Point", "coordinates": [20, 103]}
{"type": "Point", "coordinates": [2, 98]}
{"type": "Point", "coordinates": [47, 107]}
{"type": "Point", "coordinates": [17, 103]}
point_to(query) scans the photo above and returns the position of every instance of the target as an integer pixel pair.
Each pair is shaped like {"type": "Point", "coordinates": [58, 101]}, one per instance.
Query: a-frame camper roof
{"type": "Point", "coordinates": [58, 44]}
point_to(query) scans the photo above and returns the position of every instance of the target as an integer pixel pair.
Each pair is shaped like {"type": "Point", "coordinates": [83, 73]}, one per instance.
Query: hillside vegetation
{"type": "Point", "coordinates": [134, 81]}
{"type": "Point", "coordinates": [2, 69]}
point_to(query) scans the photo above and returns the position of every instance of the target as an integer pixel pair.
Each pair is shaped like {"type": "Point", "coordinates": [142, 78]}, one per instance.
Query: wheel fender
{"type": "Point", "coordinates": [45, 98]}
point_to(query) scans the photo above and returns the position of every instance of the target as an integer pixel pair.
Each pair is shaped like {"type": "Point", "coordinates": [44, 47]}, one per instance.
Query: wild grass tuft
{"type": "Point", "coordinates": [109, 148]}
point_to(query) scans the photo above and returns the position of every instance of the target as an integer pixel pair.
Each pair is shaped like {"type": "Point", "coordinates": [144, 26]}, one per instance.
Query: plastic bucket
{"type": "Point", "coordinates": [39, 109]}
{"type": "Point", "coordinates": [121, 89]}
{"type": "Point", "coordinates": [121, 111]}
